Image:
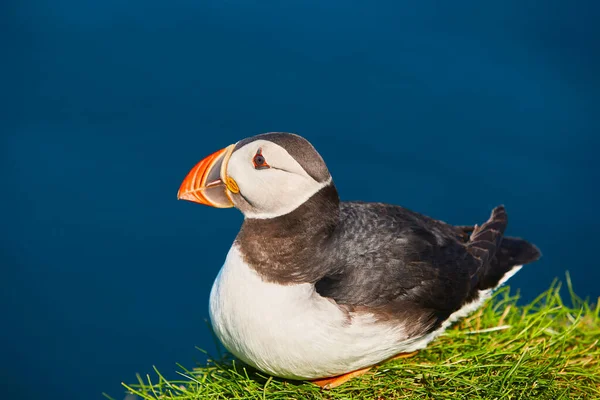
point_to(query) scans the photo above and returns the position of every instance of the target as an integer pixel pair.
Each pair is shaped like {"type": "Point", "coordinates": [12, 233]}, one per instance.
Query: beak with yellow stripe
{"type": "Point", "coordinates": [208, 183]}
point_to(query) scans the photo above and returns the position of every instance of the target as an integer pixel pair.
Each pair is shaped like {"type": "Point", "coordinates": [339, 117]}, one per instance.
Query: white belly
{"type": "Point", "coordinates": [293, 332]}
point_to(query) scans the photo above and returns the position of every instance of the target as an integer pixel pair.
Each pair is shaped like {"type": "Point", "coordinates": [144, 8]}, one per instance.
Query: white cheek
{"type": "Point", "coordinates": [287, 202]}
{"type": "Point", "coordinates": [271, 192]}
{"type": "Point", "coordinates": [274, 193]}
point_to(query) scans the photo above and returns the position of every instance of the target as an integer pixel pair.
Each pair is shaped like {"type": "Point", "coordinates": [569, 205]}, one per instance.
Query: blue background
{"type": "Point", "coordinates": [448, 108]}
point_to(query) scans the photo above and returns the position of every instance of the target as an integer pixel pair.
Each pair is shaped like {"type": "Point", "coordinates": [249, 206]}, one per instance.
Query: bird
{"type": "Point", "coordinates": [315, 288]}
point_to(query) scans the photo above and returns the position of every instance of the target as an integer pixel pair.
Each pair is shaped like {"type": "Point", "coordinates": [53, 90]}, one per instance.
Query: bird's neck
{"type": "Point", "coordinates": [292, 248]}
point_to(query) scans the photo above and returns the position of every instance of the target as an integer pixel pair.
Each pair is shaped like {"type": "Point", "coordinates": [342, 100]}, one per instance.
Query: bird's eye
{"type": "Point", "coordinates": [259, 160]}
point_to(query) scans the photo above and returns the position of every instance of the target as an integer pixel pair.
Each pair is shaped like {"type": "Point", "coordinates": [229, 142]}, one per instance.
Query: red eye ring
{"type": "Point", "coordinates": [259, 160]}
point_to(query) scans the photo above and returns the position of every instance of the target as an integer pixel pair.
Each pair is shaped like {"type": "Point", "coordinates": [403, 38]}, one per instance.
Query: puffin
{"type": "Point", "coordinates": [318, 289]}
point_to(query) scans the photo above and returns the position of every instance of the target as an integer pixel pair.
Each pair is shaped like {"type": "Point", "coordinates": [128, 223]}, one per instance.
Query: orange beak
{"type": "Point", "coordinates": [207, 183]}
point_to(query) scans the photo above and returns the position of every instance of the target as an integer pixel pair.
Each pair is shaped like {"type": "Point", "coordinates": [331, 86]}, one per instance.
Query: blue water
{"type": "Point", "coordinates": [445, 109]}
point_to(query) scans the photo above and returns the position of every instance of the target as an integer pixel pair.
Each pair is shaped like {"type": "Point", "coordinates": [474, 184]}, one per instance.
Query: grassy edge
{"type": "Point", "coordinates": [545, 349]}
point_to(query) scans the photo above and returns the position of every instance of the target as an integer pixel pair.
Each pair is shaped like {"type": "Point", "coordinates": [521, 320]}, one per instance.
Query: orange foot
{"type": "Point", "coordinates": [333, 382]}
{"type": "Point", "coordinates": [330, 383]}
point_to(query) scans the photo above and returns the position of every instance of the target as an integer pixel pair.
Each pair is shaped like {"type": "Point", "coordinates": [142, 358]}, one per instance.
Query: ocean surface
{"type": "Point", "coordinates": [447, 108]}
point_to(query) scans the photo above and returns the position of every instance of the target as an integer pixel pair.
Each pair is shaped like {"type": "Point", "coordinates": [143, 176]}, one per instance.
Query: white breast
{"type": "Point", "coordinates": [291, 331]}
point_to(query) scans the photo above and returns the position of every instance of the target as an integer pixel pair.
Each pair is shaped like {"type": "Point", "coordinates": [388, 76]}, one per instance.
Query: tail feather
{"type": "Point", "coordinates": [512, 253]}
{"type": "Point", "coordinates": [486, 239]}
{"type": "Point", "coordinates": [498, 255]}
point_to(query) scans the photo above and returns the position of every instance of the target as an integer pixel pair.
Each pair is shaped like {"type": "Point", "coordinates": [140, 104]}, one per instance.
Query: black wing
{"type": "Point", "coordinates": [401, 264]}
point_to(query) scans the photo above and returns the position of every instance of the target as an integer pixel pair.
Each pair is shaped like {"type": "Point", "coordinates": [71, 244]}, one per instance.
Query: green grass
{"type": "Point", "coordinates": [548, 349]}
